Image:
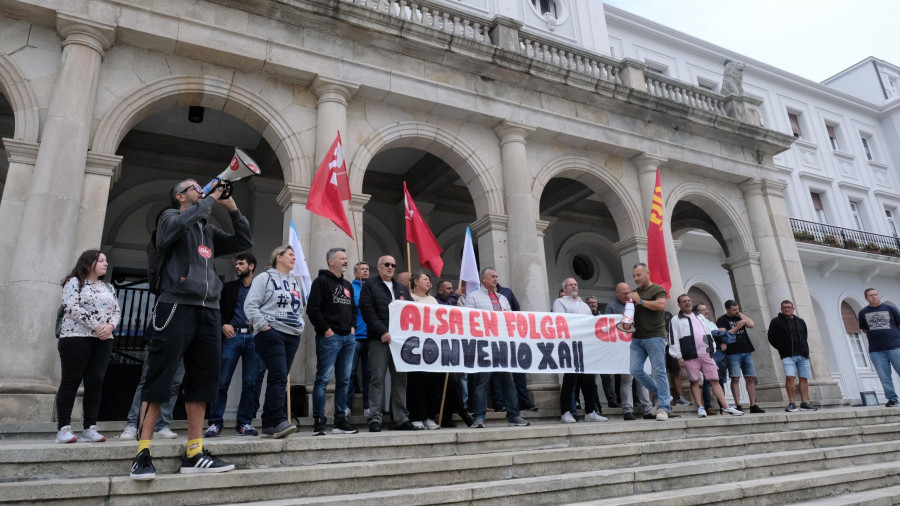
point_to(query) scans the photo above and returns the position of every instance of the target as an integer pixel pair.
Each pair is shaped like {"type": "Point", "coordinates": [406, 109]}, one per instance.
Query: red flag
{"type": "Point", "coordinates": [418, 233]}
{"type": "Point", "coordinates": [331, 187]}
{"type": "Point", "coordinates": [657, 261]}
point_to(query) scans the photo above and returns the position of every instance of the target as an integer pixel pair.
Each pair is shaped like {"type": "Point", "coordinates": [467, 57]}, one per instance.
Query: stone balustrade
{"type": "Point", "coordinates": [570, 58]}
{"type": "Point", "coordinates": [691, 96]}
{"type": "Point", "coordinates": [508, 35]}
{"type": "Point", "coordinates": [432, 15]}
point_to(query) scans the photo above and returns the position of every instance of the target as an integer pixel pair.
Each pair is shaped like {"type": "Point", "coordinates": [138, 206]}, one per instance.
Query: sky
{"type": "Point", "coordinates": [814, 39]}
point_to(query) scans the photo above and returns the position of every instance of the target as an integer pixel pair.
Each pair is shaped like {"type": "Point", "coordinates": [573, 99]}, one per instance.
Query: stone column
{"type": "Point", "coordinates": [100, 172]}
{"type": "Point", "coordinates": [29, 377]}
{"type": "Point", "coordinates": [632, 251]}
{"type": "Point", "coordinates": [331, 118]}
{"type": "Point", "coordinates": [21, 156]}
{"type": "Point", "coordinates": [647, 165]}
{"type": "Point", "coordinates": [528, 269]}
{"type": "Point", "coordinates": [490, 232]}
{"type": "Point", "coordinates": [774, 238]}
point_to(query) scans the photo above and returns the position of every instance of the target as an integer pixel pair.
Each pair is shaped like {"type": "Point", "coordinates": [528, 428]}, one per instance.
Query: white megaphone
{"type": "Point", "coordinates": [626, 324]}
{"type": "Point", "coordinates": [241, 166]}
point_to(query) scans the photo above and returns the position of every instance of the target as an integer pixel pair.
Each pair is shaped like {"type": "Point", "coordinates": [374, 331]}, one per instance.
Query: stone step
{"type": "Point", "coordinates": [709, 485]}
{"type": "Point", "coordinates": [624, 469]}
{"type": "Point", "coordinates": [886, 496]}
{"type": "Point", "coordinates": [752, 434]}
{"type": "Point", "coordinates": [813, 488]}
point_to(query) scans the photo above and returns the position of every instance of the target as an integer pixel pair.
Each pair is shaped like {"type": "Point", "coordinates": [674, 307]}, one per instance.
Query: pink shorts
{"type": "Point", "coordinates": [704, 364]}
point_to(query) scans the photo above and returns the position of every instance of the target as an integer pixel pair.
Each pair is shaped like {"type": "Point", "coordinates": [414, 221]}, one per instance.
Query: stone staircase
{"type": "Point", "coordinates": [833, 456]}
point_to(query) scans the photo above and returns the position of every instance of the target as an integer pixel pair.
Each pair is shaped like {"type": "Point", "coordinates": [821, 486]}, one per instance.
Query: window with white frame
{"type": "Point", "coordinates": [855, 215]}
{"type": "Point", "coordinates": [868, 145]}
{"type": "Point", "coordinates": [657, 68]}
{"type": "Point", "coordinates": [707, 84]}
{"type": "Point", "coordinates": [832, 128]}
{"type": "Point", "coordinates": [817, 206]}
{"type": "Point", "coordinates": [851, 328]}
{"type": "Point", "coordinates": [889, 213]}
{"type": "Point", "coordinates": [794, 119]}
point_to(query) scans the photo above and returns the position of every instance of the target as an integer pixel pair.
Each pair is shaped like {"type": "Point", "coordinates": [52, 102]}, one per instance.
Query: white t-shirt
{"type": "Point", "coordinates": [390, 286]}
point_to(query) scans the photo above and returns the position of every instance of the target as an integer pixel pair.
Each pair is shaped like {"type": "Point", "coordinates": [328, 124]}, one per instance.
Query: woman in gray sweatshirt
{"type": "Point", "coordinates": [274, 307]}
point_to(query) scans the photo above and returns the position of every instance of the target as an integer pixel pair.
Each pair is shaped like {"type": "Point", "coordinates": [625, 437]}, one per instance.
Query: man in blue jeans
{"type": "Point", "coordinates": [361, 355]}
{"type": "Point", "coordinates": [649, 338]}
{"type": "Point", "coordinates": [237, 343]}
{"type": "Point", "coordinates": [332, 311]}
{"type": "Point", "coordinates": [881, 324]}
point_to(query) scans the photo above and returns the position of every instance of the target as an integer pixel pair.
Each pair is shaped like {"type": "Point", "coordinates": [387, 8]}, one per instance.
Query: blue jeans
{"type": "Point", "coordinates": [883, 360]}
{"type": "Point", "coordinates": [277, 351]}
{"type": "Point", "coordinates": [653, 348]}
{"type": "Point", "coordinates": [478, 385]}
{"type": "Point", "coordinates": [164, 420]}
{"type": "Point", "coordinates": [333, 354]}
{"type": "Point", "coordinates": [796, 366]}
{"type": "Point", "coordinates": [360, 355]}
{"type": "Point", "coordinates": [240, 346]}
{"type": "Point", "coordinates": [740, 363]}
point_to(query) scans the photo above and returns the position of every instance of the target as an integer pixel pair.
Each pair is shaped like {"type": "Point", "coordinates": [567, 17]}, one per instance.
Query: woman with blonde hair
{"type": "Point", "coordinates": [91, 313]}
{"type": "Point", "coordinates": [274, 307]}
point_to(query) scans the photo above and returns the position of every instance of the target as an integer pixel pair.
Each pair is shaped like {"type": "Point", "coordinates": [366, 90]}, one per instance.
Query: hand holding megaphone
{"type": "Point", "coordinates": [626, 324]}
{"type": "Point", "coordinates": [241, 166]}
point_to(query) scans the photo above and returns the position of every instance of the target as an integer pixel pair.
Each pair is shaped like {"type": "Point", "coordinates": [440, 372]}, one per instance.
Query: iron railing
{"type": "Point", "coordinates": [136, 305]}
{"type": "Point", "coordinates": [845, 238]}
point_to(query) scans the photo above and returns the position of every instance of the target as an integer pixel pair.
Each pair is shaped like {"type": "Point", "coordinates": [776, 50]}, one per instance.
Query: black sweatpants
{"type": "Point", "coordinates": [83, 358]}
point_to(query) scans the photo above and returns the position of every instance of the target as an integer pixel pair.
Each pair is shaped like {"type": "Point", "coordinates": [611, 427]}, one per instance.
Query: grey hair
{"type": "Point", "coordinates": [486, 269]}
{"type": "Point", "coordinates": [358, 265]}
{"type": "Point", "coordinates": [332, 252]}
{"type": "Point", "coordinates": [640, 264]}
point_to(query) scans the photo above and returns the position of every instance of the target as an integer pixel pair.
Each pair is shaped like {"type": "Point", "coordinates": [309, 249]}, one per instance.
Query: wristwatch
{"type": "Point", "coordinates": [641, 302]}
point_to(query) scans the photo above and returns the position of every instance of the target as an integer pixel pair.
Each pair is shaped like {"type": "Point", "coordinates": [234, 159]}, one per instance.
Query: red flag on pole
{"type": "Point", "coordinates": [418, 233]}
{"type": "Point", "coordinates": [331, 187]}
{"type": "Point", "coordinates": [657, 261]}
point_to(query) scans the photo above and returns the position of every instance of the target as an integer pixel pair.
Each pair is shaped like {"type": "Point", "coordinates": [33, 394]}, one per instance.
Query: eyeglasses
{"type": "Point", "coordinates": [389, 265]}
{"type": "Point", "coordinates": [195, 187]}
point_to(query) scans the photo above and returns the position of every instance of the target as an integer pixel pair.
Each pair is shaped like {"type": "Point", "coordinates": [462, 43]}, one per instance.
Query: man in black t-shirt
{"type": "Point", "coordinates": [737, 354]}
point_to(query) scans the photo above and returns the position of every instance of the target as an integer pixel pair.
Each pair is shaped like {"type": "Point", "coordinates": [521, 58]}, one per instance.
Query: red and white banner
{"type": "Point", "coordinates": [434, 338]}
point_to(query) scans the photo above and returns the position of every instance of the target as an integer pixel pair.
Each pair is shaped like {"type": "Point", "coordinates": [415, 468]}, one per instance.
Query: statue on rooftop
{"type": "Point", "coordinates": [732, 80]}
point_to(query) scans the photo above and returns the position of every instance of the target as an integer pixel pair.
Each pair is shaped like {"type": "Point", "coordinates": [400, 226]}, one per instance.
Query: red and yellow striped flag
{"type": "Point", "coordinates": [657, 261]}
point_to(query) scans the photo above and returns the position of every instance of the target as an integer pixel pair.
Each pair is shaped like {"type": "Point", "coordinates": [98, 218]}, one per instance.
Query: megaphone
{"type": "Point", "coordinates": [626, 324]}
{"type": "Point", "coordinates": [241, 166]}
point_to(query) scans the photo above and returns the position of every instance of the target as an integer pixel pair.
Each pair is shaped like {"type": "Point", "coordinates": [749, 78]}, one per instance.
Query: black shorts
{"type": "Point", "coordinates": [194, 333]}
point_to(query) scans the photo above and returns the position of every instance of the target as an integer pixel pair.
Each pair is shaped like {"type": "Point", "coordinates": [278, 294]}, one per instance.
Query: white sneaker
{"type": "Point", "coordinates": [165, 433]}
{"type": "Point", "coordinates": [567, 418]}
{"type": "Point", "coordinates": [129, 434]}
{"type": "Point", "coordinates": [701, 412]}
{"type": "Point", "coordinates": [367, 412]}
{"type": "Point", "coordinates": [662, 416]}
{"type": "Point", "coordinates": [419, 425]}
{"type": "Point", "coordinates": [90, 435]}
{"type": "Point", "coordinates": [430, 425]}
{"type": "Point", "coordinates": [65, 435]}
{"type": "Point", "coordinates": [593, 416]}
{"type": "Point", "coordinates": [731, 410]}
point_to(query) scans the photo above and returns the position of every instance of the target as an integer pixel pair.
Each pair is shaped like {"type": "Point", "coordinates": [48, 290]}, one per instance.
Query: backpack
{"type": "Point", "coordinates": [156, 262]}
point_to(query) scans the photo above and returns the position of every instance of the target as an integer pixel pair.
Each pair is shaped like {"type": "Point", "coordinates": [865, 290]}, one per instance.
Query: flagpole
{"type": "Point", "coordinates": [408, 259]}
{"type": "Point", "coordinates": [444, 397]}
{"type": "Point", "coordinates": [288, 397]}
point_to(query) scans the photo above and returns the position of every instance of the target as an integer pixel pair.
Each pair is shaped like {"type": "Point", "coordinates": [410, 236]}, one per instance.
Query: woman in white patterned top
{"type": "Point", "coordinates": [85, 343]}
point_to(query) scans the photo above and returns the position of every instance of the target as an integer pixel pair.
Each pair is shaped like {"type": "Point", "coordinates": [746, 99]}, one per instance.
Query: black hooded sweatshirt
{"type": "Point", "coordinates": [331, 304]}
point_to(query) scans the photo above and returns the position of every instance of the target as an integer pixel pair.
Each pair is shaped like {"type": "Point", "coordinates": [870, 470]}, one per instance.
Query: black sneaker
{"type": "Point", "coordinates": [890, 404]}
{"type": "Point", "coordinates": [530, 408]}
{"type": "Point", "coordinates": [791, 407]}
{"type": "Point", "coordinates": [142, 466]}
{"type": "Point", "coordinates": [649, 416]}
{"type": "Point", "coordinates": [342, 426]}
{"type": "Point", "coordinates": [628, 417]}
{"type": "Point", "coordinates": [805, 406]}
{"type": "Point", "coordinates": [204, 462]}
{"type": "Point", "coordinates": [756, 409]}
{"type": "Point", "coordinates": [737, 407]}
{"type": "Point", "coordinates": [374, 427]}
{"type": "Point", "coordinates": [319, 426]}
{"type": "Point", "coordinates": [283, 429]}
{"type": "Point", "coordinates": [407, 425]}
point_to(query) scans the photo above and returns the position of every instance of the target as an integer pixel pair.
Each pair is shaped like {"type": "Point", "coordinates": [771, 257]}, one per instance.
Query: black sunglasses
{"type": "Point", "coordinates": [389, 265]}
{"type": "Point", "coordinates": [196, 188]}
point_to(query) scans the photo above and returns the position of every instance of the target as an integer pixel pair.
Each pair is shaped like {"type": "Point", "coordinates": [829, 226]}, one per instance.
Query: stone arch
{"type": "Point", "coordinates": [455, 152]}
{"type": "Point", "coordinates": [710, 288]}
{"type": "Point", "coordinates": [624, 209]}
{"type": "Point", "coordinates": [21, 98]}
{"type": "Point", "coordinates": [383, 240]}
{"type": "Point", "coordinates": [211, 92]}
{"type": "Point", "coordinates": [730, 222]}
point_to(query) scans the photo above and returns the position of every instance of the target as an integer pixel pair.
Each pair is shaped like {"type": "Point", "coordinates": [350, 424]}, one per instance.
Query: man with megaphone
{"type": "Point", "coordinates": [649, 338]}
{"type": "Point", "coordinates": [186, 319]}
{"type": "Point", "coordinates": [241, 167]}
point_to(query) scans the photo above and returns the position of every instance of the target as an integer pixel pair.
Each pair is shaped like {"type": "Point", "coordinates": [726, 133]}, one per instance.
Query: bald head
{"type": "Point", "coordinates": [622, 291]}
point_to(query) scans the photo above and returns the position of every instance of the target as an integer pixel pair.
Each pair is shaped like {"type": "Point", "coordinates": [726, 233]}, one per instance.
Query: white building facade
{"type": "Point", "coordinates": [538, 123]}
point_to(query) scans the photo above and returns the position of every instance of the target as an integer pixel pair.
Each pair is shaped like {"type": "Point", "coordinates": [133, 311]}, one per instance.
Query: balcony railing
{"type": "Point", "coordinates": [136, 305]}
{"type": "Point", "coordinates": [845, 238]}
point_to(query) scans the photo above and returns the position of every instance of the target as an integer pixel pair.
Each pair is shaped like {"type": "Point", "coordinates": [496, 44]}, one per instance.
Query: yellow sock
{"type": "Point", "coordinates": [194, 447]}
{"type": "Point", "coordinates": [142, 444]}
